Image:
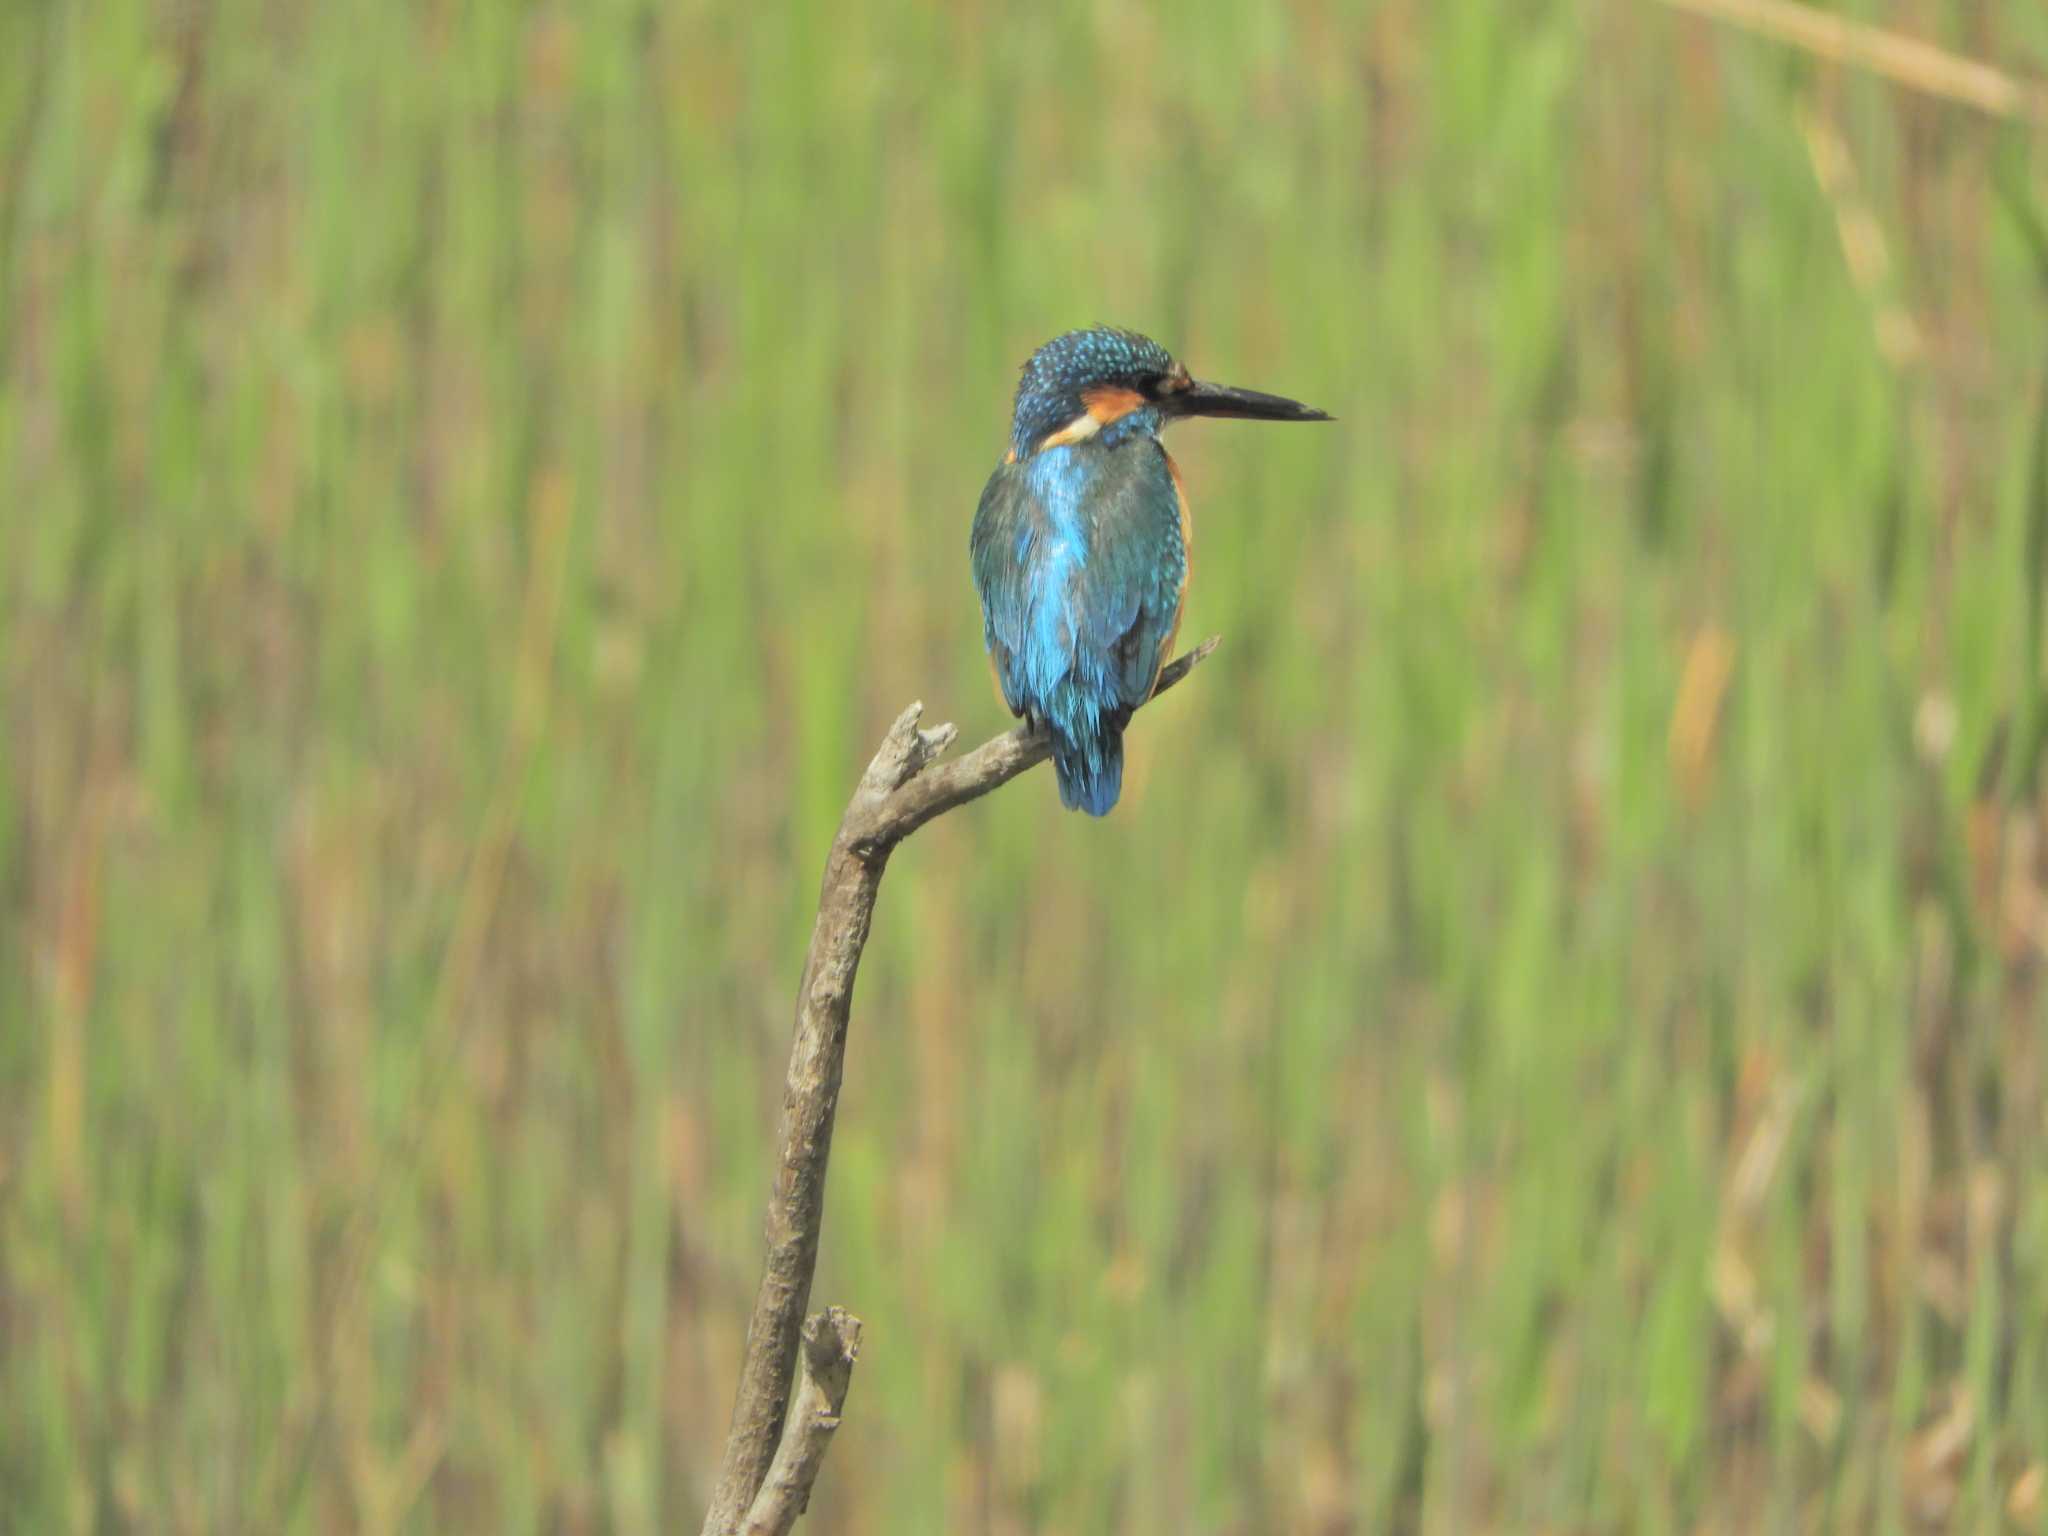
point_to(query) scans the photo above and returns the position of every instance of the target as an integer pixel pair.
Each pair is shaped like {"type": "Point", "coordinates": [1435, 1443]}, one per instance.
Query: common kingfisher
{"type": "Point", "coordinates": [1080, 545]}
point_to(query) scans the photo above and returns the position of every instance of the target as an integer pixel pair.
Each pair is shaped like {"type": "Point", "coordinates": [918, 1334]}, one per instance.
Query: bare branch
{"type": "Point", "coordinates": [989, 766]}
{"type": "Point", "coordinates": [904, 787]}
{"type": "Point", "coordinates": [831, 1343]}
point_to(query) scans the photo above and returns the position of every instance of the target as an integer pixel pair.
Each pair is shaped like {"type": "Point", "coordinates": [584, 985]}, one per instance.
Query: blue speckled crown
{"type": "Point", "coordinates": [1049, 393]}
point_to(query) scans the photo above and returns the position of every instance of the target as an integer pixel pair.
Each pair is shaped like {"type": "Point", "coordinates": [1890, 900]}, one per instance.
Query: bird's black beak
{"type": "Point", "coordinates": [1200, 399]}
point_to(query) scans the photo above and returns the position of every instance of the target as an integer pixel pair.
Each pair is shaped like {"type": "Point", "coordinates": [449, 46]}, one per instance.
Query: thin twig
{"type": "Point", "coordinates": [904, 787]}
{"type": "Point", "coordinates": [1907, 60]}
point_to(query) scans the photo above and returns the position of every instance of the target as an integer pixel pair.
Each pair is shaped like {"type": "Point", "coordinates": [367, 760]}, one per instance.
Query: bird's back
{"type": "Point", "coordinates": [1080, 557]}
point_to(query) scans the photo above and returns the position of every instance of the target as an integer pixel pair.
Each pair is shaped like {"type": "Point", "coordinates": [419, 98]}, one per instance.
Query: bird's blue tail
{"type": "Point", "coordinates": [1090, 769]}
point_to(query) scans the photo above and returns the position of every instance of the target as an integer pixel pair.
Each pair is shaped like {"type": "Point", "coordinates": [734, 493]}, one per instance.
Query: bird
{"type": "Point", "coordinates": [1080, 545]}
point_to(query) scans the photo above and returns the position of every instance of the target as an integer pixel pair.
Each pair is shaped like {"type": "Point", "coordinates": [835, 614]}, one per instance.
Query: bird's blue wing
{"type": "Point", "coordinates": [1079, 557]}
{"type": "Point", "coordinates": [1007, 527]}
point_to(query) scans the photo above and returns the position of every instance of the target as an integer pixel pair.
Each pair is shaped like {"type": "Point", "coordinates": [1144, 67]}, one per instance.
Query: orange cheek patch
{"type": "Point", "coordinates": [1111, 402]}
{"type": "Point", "coordinates": [1102, 405]}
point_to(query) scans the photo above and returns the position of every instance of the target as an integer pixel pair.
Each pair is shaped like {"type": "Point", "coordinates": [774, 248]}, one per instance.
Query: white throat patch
{"type": "Point", "coordinates": [1079, 430]}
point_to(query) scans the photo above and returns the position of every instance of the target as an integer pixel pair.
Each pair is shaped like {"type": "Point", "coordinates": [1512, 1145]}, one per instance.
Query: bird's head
{"type": "Point", "coordinates": [1109, 383]}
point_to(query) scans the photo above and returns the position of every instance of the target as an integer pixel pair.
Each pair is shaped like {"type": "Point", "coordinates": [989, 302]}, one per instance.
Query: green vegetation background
{"type": "Point", "coordinates": [1551, 1040]}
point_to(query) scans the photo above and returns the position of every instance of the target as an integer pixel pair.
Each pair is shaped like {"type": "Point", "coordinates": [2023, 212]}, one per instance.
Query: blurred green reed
{"type": "Point", "coordinates": [1552, 1040]}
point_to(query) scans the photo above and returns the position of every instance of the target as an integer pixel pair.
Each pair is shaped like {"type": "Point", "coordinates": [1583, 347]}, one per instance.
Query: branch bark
{"type": "Point", "coordinates": [904, 787]}
{"type": "Point", "coordinates": [831, 1343]}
